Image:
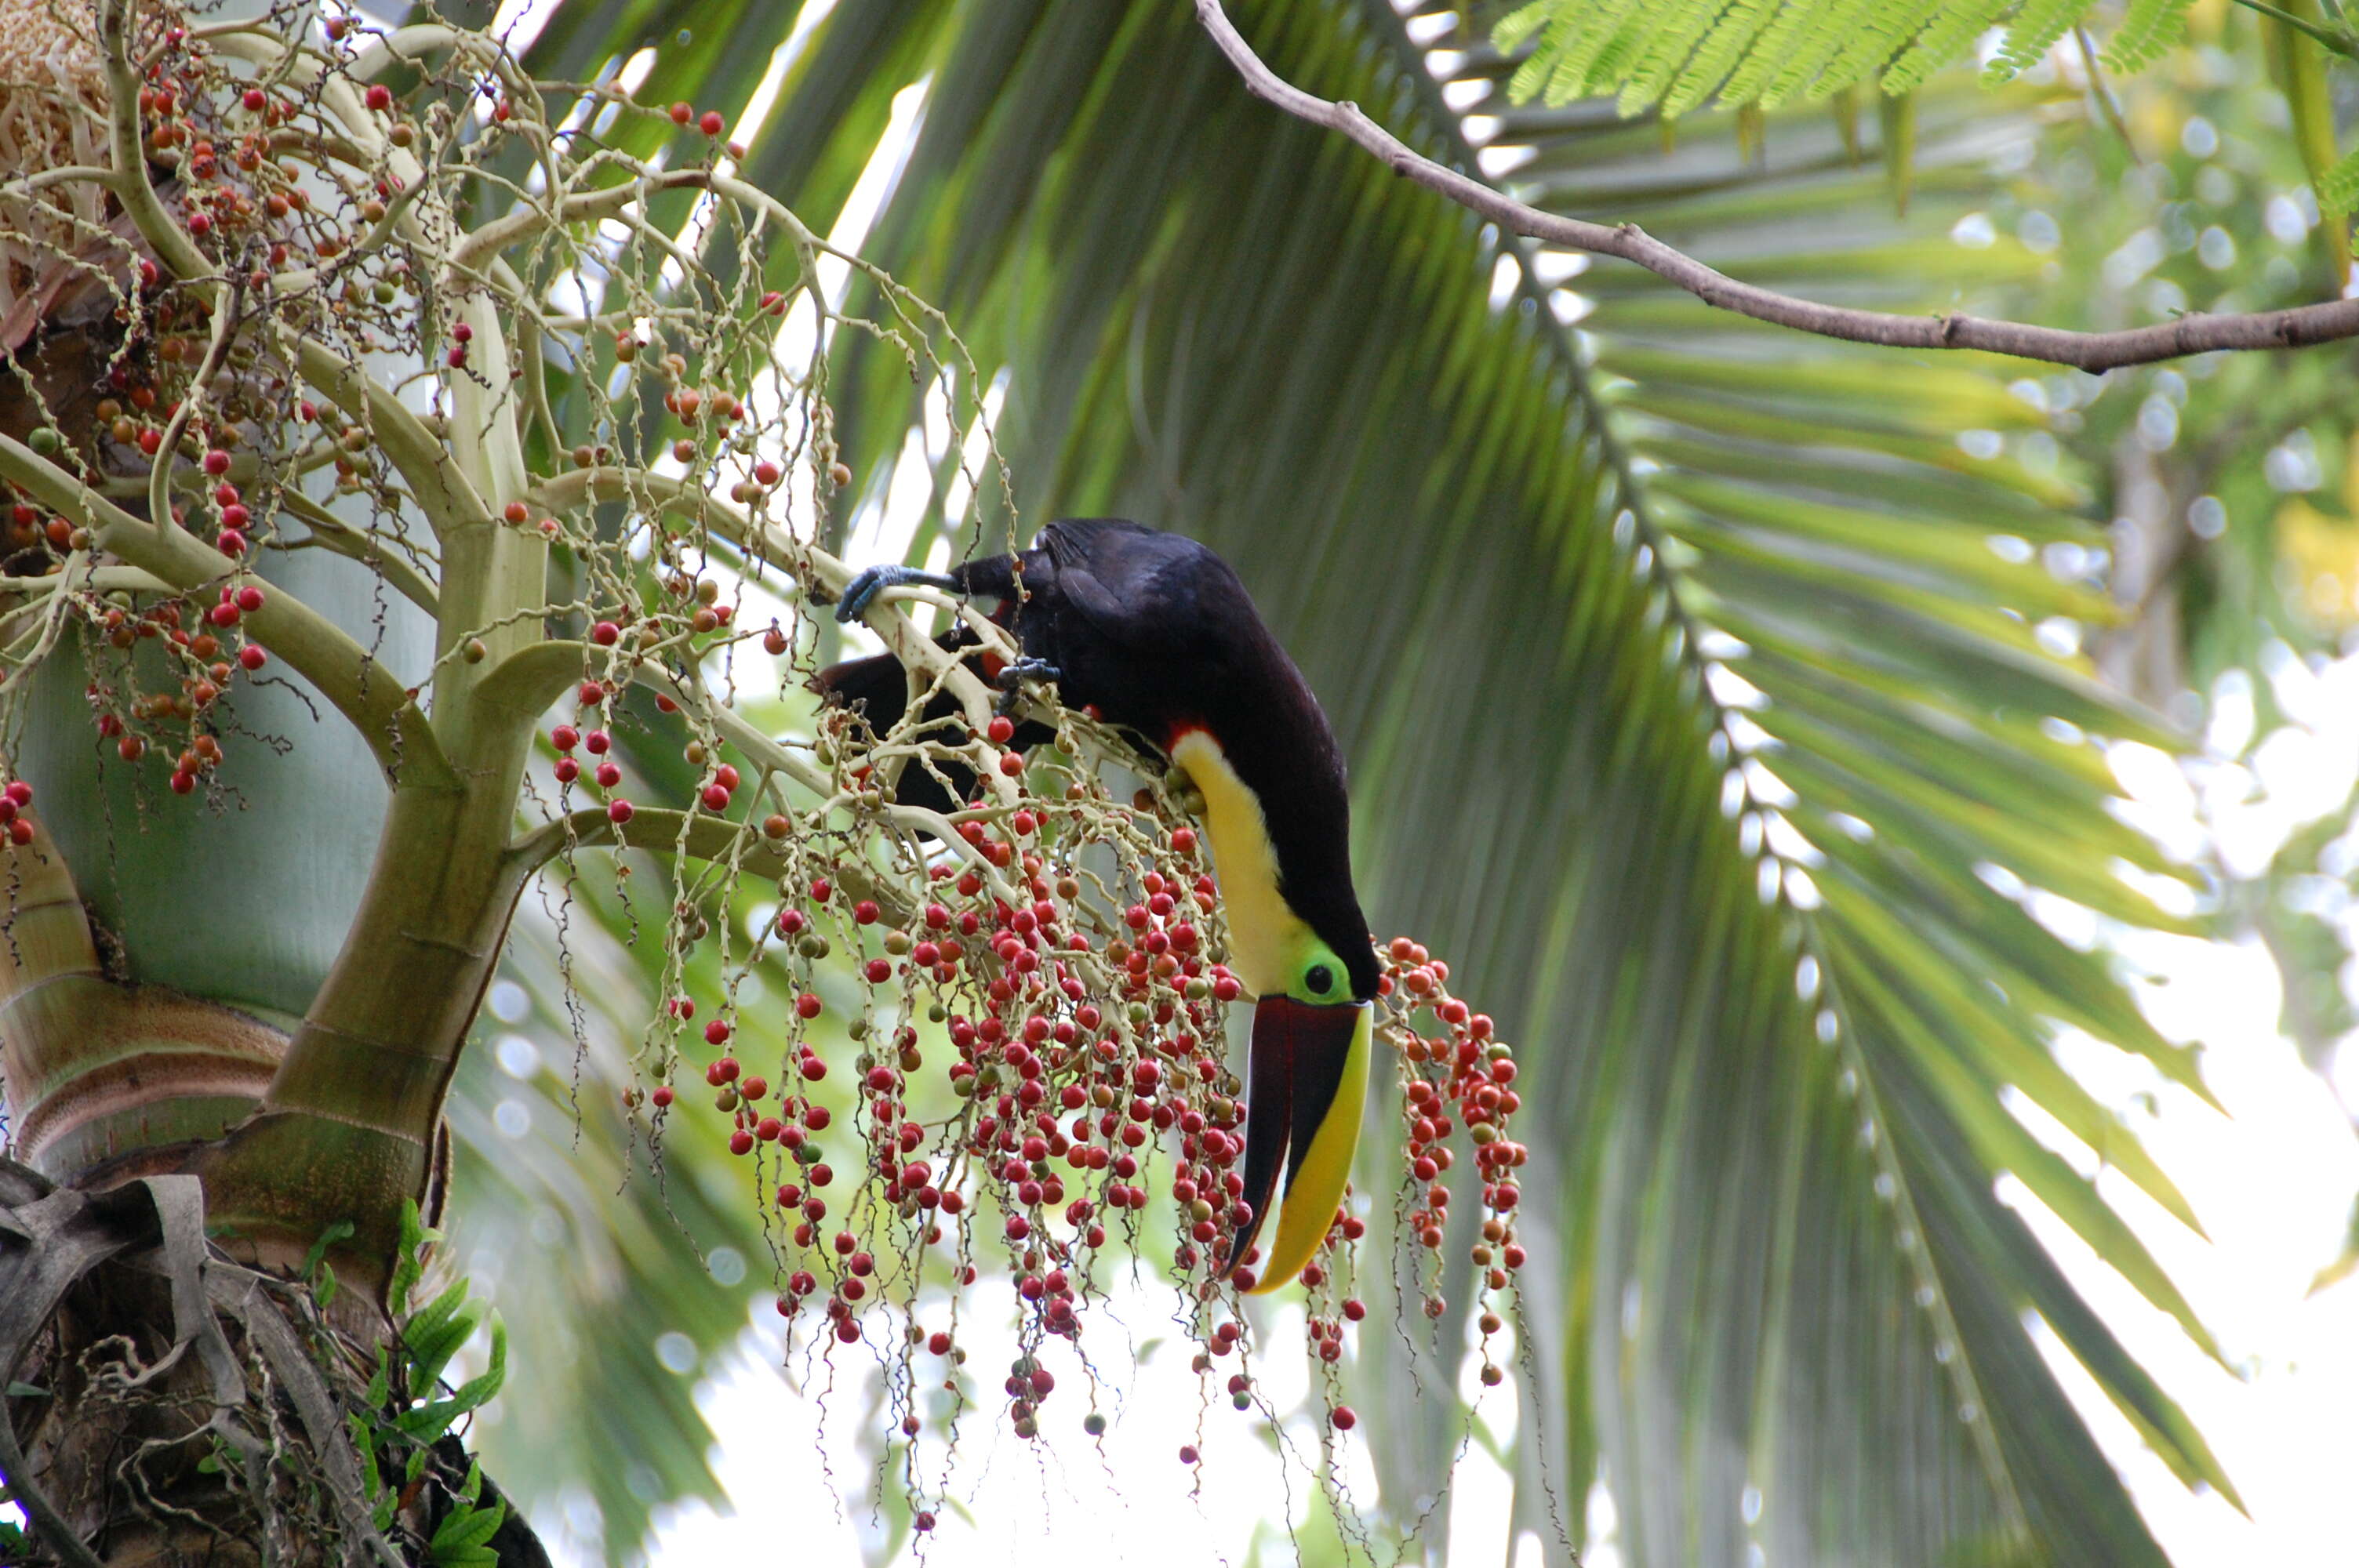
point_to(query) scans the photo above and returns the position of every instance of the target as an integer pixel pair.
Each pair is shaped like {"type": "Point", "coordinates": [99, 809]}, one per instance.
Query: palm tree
{"type": "Point", "coordinates": [1690, 707]}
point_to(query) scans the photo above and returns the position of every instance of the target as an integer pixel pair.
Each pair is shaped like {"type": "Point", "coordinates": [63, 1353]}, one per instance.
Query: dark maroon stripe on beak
{"type": "Point", "coordinates": [1293, 1066]}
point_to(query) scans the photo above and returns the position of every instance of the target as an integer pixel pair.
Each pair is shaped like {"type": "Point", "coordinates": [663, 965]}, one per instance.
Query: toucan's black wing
{"type": "Point", "coordinates": [878, 688]}
{"type": "Point", "coordinates": [1135, 585]}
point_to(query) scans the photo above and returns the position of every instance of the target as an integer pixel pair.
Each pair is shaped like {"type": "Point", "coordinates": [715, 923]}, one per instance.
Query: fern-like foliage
{"type": "Point", "coordinates": [2338, 189]}
{"type": "Point", "coordinates": [1770, 52]}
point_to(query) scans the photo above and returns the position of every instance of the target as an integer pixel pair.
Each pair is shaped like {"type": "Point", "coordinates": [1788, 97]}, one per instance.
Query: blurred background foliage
{"type": "Point", "coordinates": [1731, 706]}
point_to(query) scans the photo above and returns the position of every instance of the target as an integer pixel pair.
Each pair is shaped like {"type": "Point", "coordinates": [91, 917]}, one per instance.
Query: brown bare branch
{"type": "Point", "coordinates": [2328, 321]}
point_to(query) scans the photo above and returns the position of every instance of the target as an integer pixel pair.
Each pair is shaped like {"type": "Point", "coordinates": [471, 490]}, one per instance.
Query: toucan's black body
{"type": "Point", "coordinates": [1153, 633]}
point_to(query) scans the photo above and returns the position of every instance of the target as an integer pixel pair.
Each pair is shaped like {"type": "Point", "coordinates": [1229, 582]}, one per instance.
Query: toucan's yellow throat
{"type": "Point", "coordinates": [1307, 1070]}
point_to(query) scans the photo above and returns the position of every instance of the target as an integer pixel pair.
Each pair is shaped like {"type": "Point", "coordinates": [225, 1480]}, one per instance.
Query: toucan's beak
{"type": "Point", "coordinates": [1306, 1078]}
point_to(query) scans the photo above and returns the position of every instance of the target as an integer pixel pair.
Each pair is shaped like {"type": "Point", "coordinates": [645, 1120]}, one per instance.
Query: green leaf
{"type": "Point", "coordinates": [337, 1232]}
{"type": "Point", "coordinates": [409, 1262]}
{"type": "Point", "coordinates": [435, 1332]}
{"type": "Point", "coordinates": [463, 1533]}
{"type": "Point", "coordinates": [480, 1390]}
{"type": "Point", "coordinates": [2338, 188]}
{"type": "Point", "coordinates": [1761, 53]}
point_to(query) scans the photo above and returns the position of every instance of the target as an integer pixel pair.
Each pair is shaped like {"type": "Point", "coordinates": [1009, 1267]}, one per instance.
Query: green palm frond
{"type": "Point", "coordinates": [1774, 52]}
{"type": "Point", "coordinates": [1693, 711]}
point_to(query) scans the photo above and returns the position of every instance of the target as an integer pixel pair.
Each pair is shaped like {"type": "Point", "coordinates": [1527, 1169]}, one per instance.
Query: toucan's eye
{"type": "Point", "coordinates": [1320, 978]}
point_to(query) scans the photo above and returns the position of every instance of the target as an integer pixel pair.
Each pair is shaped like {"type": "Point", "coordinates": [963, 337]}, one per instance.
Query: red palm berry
{"type": "Point", "coordinates": [620, 811]}
{"type": "Point", "coordinates": [715, 798]}
{"type": "Point", "coordinates": [1001, 731]}
{"type": "Point", "coordinates": [605, 633]}
{"type": "Point", "coordinates": [592, 694]}
{"type": "Point", "coordinates": [252, 657]}
{"type": "Point", "coordinates": [609, 775]}
{"type": "Point", "coordinates": [682, 113]}
{"type": "Point", "coordinates": [808, 1006]}
{"type": "Point", "coordinates": [710, 123]}
{"type": "Point", "coordinates": [380, 97]}
{"type": "Point", "coordinates": [717, 1032]}
{"type": "Point", "coordinates": [1345, 1419]}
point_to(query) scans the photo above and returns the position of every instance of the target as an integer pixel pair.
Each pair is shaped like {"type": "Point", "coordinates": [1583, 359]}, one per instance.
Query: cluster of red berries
{"type": "Point", "coordinates": [1059, 1100]}
{"type": "Point", "coordinates": [14, 800]}
{"type": "Point", "coordinates": [1086, 1039]}
{"type": "Point", "coordinates": [715, 792]}
{"type": "Point", "coordinates": [136, 721]}
{"type": "Point", "coordinates": [710, 123]}
{"type": "Point", "coordinates": [1456, 1072]}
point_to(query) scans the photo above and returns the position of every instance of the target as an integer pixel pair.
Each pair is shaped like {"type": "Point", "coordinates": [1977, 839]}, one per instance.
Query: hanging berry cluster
{"type": "Point", "coordinates": [1060, 965]}
{"type": "Point", "coordinates": [1456, 1072]}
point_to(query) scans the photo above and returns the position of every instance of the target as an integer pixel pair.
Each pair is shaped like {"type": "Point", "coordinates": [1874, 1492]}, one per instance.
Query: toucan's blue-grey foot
{"type": "Point", "coordinates": [1013, 675]}
{"type": "Point", "coordinates": [862, 591]}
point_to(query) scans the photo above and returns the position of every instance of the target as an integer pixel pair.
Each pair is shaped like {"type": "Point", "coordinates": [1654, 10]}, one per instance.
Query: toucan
{"type": "Point", "coordinates": [1153, 633]}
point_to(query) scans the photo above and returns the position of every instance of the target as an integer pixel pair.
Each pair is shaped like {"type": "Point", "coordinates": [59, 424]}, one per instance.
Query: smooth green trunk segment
{"type": "Point", "coordinates": [99, 1070]}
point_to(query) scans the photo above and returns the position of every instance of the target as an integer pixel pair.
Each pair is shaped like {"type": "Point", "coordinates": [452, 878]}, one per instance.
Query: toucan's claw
{"type": "Point", "coordinates": [862, 591]}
